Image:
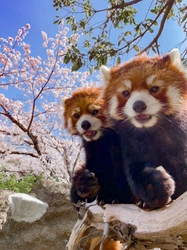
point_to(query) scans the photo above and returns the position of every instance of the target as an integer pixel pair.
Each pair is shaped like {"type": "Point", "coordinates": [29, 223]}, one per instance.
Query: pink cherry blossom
{"type": "Point", "coordinates": [32, 136]}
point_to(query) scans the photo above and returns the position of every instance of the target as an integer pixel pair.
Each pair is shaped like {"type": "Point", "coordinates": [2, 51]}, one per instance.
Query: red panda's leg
{"type": "Point", "coordinates": [84, 186]}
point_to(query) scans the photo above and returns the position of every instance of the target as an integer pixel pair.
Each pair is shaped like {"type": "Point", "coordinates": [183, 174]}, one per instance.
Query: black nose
{"type": "Point", "coordinates": [85, 125]}
{"type": "Point", "coordinates": [139, 106]}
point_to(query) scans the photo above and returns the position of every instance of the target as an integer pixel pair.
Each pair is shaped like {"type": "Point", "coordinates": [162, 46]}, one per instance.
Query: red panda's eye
{"type": "Point", "coordinates": [95, 112]}
{"type": "Point", "coordinates": [154, 89]}
{"type": "Point", "coordinates": [126, 93]}
{"type": "Point", "coordinates": [76, 116]}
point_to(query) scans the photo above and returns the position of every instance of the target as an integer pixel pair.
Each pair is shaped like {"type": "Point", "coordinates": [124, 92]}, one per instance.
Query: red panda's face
{"type": "Point", "coordinates": [83, 114]}
{"type": "Point", "coordinates": [144, 89]}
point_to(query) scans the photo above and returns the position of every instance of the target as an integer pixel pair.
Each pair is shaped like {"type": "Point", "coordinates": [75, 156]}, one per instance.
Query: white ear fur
{"type": "Point", "coordinates": [175, 56]}
{"type": "Point", "coordinates": [105, 74]}
{"type": "Point", "coordinates": [175, 59]}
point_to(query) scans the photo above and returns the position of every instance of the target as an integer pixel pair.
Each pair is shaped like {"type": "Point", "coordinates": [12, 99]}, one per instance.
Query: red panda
{"type": "Point", "coordinates": [102, 175]}
{"type": "Point", "coordinates": [82, 106]}
{"type": "Point", "coordinates": [146, 98]}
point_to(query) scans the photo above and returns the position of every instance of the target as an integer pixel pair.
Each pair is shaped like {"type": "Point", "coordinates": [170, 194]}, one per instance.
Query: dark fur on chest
{"type": "Point", "coordinates": [104, 159]}
{"type": "Point", "coordinates": [100, 153]}
{"type": "Point", "coordinates": [164, 145]}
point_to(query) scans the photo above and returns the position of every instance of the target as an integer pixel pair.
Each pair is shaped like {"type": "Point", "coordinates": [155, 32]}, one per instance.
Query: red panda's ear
{"type": "Point", "coordinates": [105, 74]}
{"type": "Point", "coordinates": [176, 60]}
{"type": "Point", "coordinates": [174, 55]}
{"type": "Point", "coordinates": [65, 101]}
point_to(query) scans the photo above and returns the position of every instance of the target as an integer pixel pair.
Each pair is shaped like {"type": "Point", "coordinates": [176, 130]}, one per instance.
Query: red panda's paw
{"type": "Point", "coordinates": [157, 204]}
{"type": "Point", "coordinates": [87, 185]}
{"type": "Point", "coordinates": [158, 187]}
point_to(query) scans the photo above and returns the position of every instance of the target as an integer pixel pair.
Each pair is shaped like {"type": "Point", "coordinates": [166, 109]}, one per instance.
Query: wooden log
{"type": "Point", "coordinates": [164, 228]}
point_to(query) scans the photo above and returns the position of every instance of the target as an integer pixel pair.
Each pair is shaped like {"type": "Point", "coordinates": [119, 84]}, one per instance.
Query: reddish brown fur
{"type": "Point", "coordinates": [137, 70]}
{"type": "Point", "coordinates": [83, 98]}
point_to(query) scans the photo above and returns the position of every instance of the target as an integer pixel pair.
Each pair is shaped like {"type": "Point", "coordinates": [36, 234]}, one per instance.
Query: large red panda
{"type": "Point", "coordinates": [146, 98]}
{"type": "Point", "coordinates": [102, 175]}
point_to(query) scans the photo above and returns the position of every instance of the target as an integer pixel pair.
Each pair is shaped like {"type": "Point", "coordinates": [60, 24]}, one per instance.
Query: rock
{"type": "Point", "coordinates": [51, 231]}
{"type": "Point", "coordinates": [24, 207]}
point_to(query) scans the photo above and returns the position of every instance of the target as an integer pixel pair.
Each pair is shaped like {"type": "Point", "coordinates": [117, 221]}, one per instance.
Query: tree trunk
{"type": "Point", "coordinates": [164, 228]}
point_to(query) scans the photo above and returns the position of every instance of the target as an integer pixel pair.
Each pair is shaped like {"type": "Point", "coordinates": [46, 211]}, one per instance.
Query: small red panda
{"type": "Point", "coordinates": [146, 98]}
{"type": "Point", "coordinates": [102, 175]}
{"type": "Point", "coordinates": [83, 114]}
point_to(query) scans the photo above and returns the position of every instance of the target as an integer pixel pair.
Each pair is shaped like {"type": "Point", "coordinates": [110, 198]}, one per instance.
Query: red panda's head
{"type": "Point", "coordinates": [144, 89]}
{"type": "Point", "coordinates": [83, 113]}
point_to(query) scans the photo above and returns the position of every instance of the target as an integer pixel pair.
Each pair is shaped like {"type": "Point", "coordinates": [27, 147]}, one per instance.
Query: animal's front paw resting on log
{"type": "Point", "coordinates": [113, 224]}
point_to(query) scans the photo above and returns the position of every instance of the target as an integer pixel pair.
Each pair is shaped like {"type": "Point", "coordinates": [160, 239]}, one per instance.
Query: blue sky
{"type": "Point", "coordinates": [40, 14]}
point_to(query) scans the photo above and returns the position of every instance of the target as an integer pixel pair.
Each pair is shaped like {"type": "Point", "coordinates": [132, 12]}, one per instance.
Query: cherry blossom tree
{"type": "Point", "coordinates": [32, 137]}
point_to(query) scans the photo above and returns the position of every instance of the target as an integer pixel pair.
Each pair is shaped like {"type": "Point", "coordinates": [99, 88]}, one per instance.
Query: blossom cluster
{"type": "Point", "coordinates": [32, 137]}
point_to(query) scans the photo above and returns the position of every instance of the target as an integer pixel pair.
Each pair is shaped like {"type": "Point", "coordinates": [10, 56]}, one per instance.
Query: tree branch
{"type": "Point", "coordinates": [19, 153]}
{"type": "Point", "coordinates": [30, 134]}
{"type": "Point", "coordinates": [164, 228]}
{"type": "Point", "coordinates": [169, 6]}
{"type": "Point", "coordinates": [12, 119]}
{"type": "Point", "coordinates": [119, 6]}
{"type": "Point", "coordinates": [41, 90]}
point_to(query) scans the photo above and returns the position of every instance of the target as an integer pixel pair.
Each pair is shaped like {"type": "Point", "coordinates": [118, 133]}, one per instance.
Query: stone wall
{"type": "Point", "coordinates": [51, 232]}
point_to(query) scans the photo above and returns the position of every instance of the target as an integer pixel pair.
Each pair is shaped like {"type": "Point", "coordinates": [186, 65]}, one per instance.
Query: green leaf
{"type": "Point", "coordinates": [67, 59]}
{"type": "Point", "coordinates": [118, 60]}
{"type": "Point", "coordinates": [21, 185]}
{"type": "Point", "coordinates": [77, 65]}
{"type": "Point", "coordinates": [75, 49]}
{"type": "Point", "coordinates": [56, 21]}
{"type": "Point", "coordinates": [127, 33]}
{"type": "Point", "coordinates": [136, 48]}
{"type": "Point", "coordinates": [87, 43]}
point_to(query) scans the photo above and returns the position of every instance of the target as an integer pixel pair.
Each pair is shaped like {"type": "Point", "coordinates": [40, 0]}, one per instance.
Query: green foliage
{"type": "Point", "coordinates": [19, 185]}
{"type": "Point", "coordinates": [98, 21]}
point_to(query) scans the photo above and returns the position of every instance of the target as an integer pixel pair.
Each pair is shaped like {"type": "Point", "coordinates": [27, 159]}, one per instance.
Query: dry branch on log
{"type": "Point", "coordinates": [164, 228]}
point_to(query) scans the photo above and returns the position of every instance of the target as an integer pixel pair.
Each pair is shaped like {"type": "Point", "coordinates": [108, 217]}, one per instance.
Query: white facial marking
{"type": "Point", "coordinates": [153, 107]}
{"type": "Point", "coordinates": [128, 84]}
{"type": "Point", "coordinates": [149, 80]}
{"type": "Point", "coordinates": [95, 123]}
{"type": "Point", "coordinates": [70, 127]}
{"type": "Point", "coordinates": [121, 89]}
{"type": "Point", "coordinates": [94, 138]}
{"type": "Point", "coordinates": [93, 106]}
{"type": "Point", "coordinates": [113, 108]}
{"type": "Point", "coordinates": [150, 123]}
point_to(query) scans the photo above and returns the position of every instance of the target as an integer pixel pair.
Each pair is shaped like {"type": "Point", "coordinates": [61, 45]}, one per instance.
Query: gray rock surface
{"type": "Point", "coordinates": [51, 232]}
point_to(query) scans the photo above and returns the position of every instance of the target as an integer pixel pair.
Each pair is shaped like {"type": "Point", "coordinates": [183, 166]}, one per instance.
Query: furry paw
{"type": "Point", "coordinates": [158, 187]}
{"type": "Point", "coordinates": [87, 185]}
